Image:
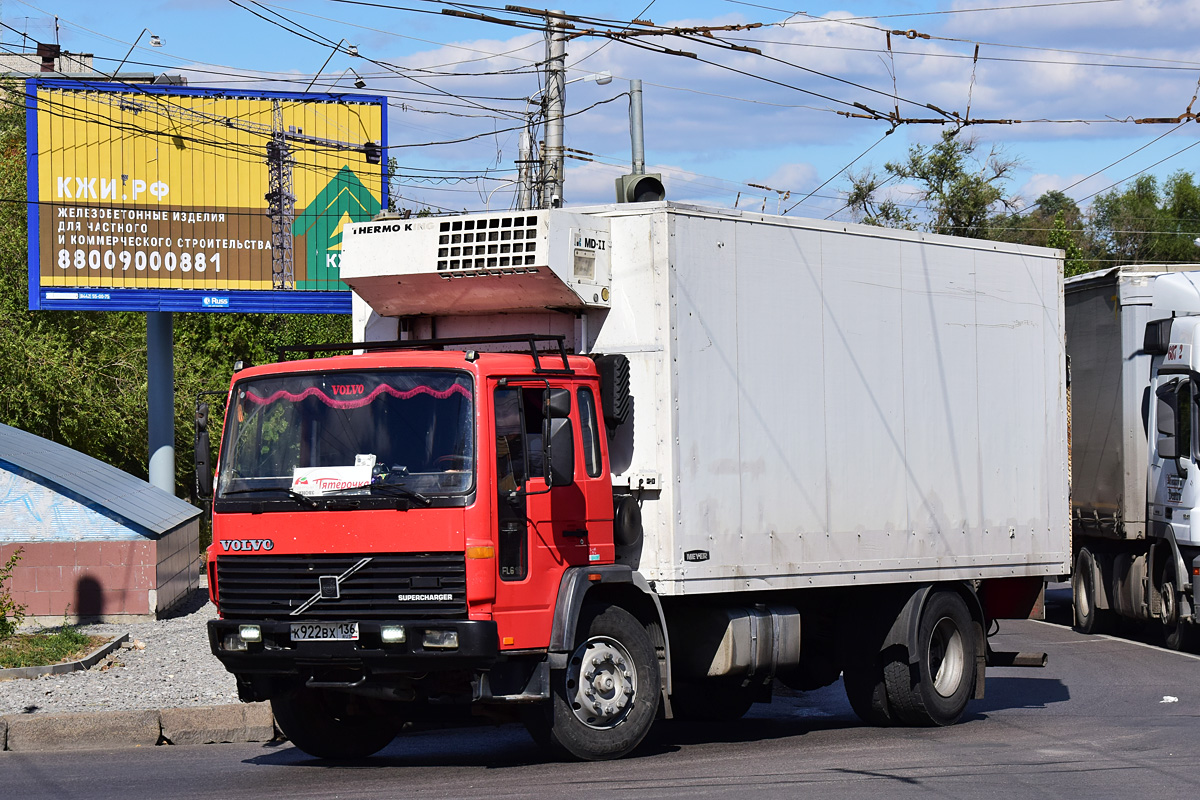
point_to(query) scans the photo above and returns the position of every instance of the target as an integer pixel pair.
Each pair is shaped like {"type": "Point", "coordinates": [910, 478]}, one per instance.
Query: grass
{"type": "Point", "coordinates": [47, 647]}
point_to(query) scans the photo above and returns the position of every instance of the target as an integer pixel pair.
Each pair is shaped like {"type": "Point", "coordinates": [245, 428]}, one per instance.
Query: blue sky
{"type": "Point", "coordinates": [714, 124]}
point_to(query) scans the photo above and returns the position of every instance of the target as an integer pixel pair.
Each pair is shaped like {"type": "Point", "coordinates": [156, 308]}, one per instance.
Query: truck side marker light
{"type": "Point", "coordinates": [481, 552]}
{"type": "Point", "coordinates": [595, 576]}
{"type": "Point", "coordinates": [392, 634]}
{"type": "Point", "coordinates": [509, 640]}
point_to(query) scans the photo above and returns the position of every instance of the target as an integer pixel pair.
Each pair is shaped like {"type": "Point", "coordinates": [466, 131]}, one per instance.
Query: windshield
{"type": "Point", "coordinates": [344, 432]}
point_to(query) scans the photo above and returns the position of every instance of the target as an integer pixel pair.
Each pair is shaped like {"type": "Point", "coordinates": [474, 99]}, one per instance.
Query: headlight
{"type": "Point", "coordinates": [441, 640]}
{"type": "Point", "coordinates": [234, 643]}
{"type": "Point", "coordinates": [391, 634]}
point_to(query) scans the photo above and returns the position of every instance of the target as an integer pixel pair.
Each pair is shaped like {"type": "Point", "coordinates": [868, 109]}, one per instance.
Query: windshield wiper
{"type": "Point", "coordinates": [317, 501]}
{"type": "Point", "coordinates": [400, 491]}
{"type": "Point", "coordinates": [303, 498]}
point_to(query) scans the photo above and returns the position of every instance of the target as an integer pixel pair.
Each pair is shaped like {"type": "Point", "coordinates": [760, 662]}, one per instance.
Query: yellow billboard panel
{"type": "Point", "coordinates": [201, 189]}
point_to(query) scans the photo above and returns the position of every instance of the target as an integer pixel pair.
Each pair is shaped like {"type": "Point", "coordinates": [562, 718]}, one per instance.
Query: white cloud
{"type": "Point", "coordinates": [1040, 183]}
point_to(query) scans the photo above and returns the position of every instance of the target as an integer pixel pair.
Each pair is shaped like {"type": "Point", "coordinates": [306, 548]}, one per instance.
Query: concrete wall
{"type": "Point", "coordinates": [178, 566]}
{"type": "Point", "coordinates": [86, 580]}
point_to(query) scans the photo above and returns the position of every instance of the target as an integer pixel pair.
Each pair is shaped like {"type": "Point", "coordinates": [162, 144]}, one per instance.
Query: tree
{"type": "Point", "coordinates": [957, 188]}
{"type": "Point", "coordinates": [1053, 221]}
{"type": "Point", "coordinates": [1145, 224]}
{"type": "Point", "coordinates": [1075, 262]}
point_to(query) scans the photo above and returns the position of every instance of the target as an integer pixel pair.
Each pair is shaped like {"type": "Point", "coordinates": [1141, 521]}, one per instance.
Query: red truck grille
{"type": "Point", "coordinates": [389, 586]}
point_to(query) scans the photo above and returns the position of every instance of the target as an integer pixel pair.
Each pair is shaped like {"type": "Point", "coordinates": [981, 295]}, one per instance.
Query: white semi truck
{"type": "Point", "coordinates": [642, 460]}
{"type": "Point", "coordinates": [1131, 333]}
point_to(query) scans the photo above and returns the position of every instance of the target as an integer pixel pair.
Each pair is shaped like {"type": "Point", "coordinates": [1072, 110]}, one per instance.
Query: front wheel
{"type": "Point", "coordinates": [605, 701]}
{"type": "Point", "coordinates": [935, 689]}
{"type": "Point", "coordinates": [332, 725]}
{"type": "Point", "coordinates": [1178, 634]}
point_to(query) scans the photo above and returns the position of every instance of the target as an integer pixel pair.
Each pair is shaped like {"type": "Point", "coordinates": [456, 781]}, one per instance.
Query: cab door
{"type": "Point", "coordinates": [540, 530]}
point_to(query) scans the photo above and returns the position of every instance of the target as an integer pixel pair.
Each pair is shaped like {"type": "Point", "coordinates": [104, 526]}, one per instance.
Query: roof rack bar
{"type": "Point", "coordinates": [530, 339]}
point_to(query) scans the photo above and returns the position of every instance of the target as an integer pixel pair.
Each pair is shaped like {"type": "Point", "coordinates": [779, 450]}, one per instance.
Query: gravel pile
{"type": "Point", "coordinates": [175, 670]}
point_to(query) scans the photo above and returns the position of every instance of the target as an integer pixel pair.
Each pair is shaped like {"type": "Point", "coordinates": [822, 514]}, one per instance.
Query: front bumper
{"type": "Point", "coordinates": [368, 656]}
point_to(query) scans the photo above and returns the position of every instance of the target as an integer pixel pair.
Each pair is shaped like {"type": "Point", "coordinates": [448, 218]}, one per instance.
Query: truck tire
{"type": "Point", "coordinates": [327, 725]}
{"type": "Point", "coordinates": [867, 693]}
{"type": "Point", "coordinates": [1089, 618]}
{"type": "Point", "coordinates": [712, 700]}
{"type": "Point", "coordinates": [603, 704]}
{"type": "Point", "coordinates": [935, 689]}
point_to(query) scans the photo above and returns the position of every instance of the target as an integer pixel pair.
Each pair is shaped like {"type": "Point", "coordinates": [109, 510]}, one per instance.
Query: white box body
{"type": "Point", "coordinates": [815, 403]}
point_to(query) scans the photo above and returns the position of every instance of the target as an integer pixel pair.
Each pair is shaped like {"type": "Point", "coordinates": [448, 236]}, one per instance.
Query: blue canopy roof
{"type": "Point", "coordinates": [125, 495]}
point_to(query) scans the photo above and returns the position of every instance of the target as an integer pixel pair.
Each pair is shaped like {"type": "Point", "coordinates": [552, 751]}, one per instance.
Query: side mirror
{"type": "Point", "coordinates": [558, 451]}
{"type": "Point", "coordinates": [556, 404]}
{"type": "Point", "coordinates": [1166, 447]}
{"type": "Point", "coordinates": [558, 438]}
{"type": "Point", "coordinates": [1165, 412]}
{"type": "Point", "coordinates": [204, 473]}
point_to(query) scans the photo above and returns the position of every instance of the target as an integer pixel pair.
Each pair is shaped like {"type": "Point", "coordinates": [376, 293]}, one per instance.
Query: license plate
{"type": "Point", "coordinates": [324, 631]}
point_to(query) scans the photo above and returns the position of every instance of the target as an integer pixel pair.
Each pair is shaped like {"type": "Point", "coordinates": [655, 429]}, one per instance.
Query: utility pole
{"type": "Point", "coordinates": [281, 202]}
{"type": "Point", "coordinates": [525, 168]}
{"type": "Point", "coordinates": [556, 90]}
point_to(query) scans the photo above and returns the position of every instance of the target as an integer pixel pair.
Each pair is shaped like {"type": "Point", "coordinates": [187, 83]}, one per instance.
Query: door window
{"type": "Point", "coordinates": [590, 432]}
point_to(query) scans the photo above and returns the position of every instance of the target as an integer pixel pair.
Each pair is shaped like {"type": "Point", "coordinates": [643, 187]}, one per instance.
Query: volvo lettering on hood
{"type": "Point", "coordinates": [247, 544]}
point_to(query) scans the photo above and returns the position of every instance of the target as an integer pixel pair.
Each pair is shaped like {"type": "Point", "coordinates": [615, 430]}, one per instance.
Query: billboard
{"type": "Point", "coordinates": [167, 198]}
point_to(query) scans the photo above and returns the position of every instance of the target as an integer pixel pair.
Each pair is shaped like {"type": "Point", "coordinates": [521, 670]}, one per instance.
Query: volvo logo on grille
{"type": "Point", "coordinates": [329, 587]}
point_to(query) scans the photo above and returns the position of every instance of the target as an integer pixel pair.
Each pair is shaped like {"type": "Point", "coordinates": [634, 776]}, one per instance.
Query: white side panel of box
{"type": "Point", "coordinates": [860, 407]}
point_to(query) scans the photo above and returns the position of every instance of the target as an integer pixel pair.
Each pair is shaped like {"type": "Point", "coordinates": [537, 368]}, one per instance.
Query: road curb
{"type": "Point", "coordinates": [87, 662]}
{"type": "Point", "coordinates": [96, 730]}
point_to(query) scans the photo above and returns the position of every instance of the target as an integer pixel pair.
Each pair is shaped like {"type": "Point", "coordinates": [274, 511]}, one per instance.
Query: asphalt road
{"type": "Point", "coordinates": [1107, 718]}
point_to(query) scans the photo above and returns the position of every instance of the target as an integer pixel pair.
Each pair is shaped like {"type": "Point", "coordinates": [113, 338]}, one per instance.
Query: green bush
{"type": "Point", "coordinates": [12, 613]}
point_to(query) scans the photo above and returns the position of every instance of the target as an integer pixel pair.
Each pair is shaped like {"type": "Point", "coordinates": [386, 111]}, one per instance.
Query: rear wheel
{"type": "Point", "coordinates": [867, 693]}
{"type": "Point", "coordinates": [935, 689]}
{"type": "Point", "coordinates": [332, 725]}
{"type": "Point", "coordinates": [1089, 618]}
{"type": "Point", "coordinates": [605, 701]}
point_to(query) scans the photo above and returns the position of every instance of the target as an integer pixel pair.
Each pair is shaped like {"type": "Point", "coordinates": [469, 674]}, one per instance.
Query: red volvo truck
{"type": "Point", "coordinates": [596, 467]}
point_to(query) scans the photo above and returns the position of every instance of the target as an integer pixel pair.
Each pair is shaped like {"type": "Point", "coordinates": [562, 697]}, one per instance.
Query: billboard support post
{"type": "Point", "coordinates": [160, 364]}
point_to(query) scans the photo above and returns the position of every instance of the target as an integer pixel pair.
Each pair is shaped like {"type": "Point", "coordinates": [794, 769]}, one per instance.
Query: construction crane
{"type": "Point", "coordinates": [280, 196]}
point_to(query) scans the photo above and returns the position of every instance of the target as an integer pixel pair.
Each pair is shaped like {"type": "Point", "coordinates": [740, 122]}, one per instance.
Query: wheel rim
{"type": "Point", "coordinates": [1083, 601]}
{"type": "Point", "coordinates": [602, 682]}
{"type": "Point", "coordinates": [1169, 609]}
{"type": "Point", "coordinates": [947, 658]}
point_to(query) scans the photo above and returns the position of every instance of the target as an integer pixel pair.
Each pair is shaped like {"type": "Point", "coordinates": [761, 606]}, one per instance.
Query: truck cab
{"type": "Point", "coordinates": [400, 525]}
{"type": "Point", "coordinates": [1174, 423]}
